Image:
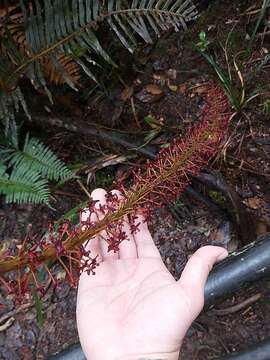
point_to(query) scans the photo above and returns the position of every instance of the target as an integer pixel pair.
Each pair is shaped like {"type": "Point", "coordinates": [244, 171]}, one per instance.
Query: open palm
{"type": "Point", "coordinates": [133, 308]}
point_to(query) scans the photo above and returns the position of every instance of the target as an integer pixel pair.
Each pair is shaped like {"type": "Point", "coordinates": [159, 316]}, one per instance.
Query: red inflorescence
{"type": "Point", "coordinates": [163, 179]}
{"type": "Point", "coordinates": [158, 182]}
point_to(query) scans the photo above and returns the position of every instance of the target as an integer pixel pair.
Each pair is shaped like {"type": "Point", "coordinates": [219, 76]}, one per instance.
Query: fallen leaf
{"type": "Point", "coordinates": [103, 162]}
{"type": "Point", "coordinates": [3, 248]}
{"type": "Point", "coordinates": [151, 135]}
{"type": "Point", "coordinates": [199, 90]}
{"type": "Point", "coordinates": [146, 97]}
{"type": "Point", "coordinates": [254, 202]}
{"type": "Point", "coordinates": [154, 89]}
{"type": "Point", "coordinates": [126, 93]}
{"type": "Point", "coordinates": [159, 77]}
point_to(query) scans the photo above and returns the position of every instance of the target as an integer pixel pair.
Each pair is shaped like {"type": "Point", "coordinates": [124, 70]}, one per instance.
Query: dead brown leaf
{"type": "Point", "coordinates": [154, 89]}
{"type": "Point", "coordinates": [199, 90]}
{"type": "Point", "coordinates": [254, 202]}
{"type": "Point", "coordinates": [126, 93]}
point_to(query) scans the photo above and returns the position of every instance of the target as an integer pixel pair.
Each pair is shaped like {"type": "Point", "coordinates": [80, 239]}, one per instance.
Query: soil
{"type": "Point", "coordinates": [166, 85]}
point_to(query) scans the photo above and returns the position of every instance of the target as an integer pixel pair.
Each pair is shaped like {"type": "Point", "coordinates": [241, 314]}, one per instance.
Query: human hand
{"type": "Point", "coordinates": [133, 308]}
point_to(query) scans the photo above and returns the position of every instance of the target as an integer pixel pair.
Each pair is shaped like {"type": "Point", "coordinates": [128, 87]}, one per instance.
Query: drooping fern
{"type": "Point", "coordinates": [54, 34]}
{"type": "Point", "coordinates": [24, 174]}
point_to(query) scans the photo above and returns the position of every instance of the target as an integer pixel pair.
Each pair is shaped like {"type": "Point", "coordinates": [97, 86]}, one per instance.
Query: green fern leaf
{"type": "Point", "coordinates": [23, 186]}
{"type": "Point", "coordinates": [69, 27]}
{"type": "Point", "coordinates": [36, 157]}
{"type": "Point", "coordinates": [145, 15]}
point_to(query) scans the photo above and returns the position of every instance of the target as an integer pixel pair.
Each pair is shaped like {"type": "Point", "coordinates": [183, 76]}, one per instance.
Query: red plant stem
{"type": "Point", "coordinates": [5, 284]}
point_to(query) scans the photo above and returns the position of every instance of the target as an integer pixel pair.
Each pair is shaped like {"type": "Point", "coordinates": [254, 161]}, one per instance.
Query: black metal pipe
{"type": "Point", "coordinates": [71, 353]}
{"type": "Point", "coordinates": [240, 268]}
{"type": "Point", "coordinates": [259, 351]}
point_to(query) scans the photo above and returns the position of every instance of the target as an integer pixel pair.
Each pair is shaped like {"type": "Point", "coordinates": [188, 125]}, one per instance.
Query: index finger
{"type": "Point", "coordinates": [144, 241]}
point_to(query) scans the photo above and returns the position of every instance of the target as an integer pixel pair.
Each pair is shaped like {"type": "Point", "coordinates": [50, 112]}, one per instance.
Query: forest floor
{"type": "Point", "coordinates": [159, 96]}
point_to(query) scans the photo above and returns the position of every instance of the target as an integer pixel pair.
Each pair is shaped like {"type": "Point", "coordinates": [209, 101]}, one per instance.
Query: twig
{"type": "Point", "coordinates": [15, 312]}
{"type": "Point", "coordinates": [134, 112]}
{"type": "Point", "coordinates": [84, 189]}
{"type": "Point", "coordinates": [250, 169]}
{"type": "Point", "coordinates": [65, 193]}
{"type": "Point", "coordinates": [7, 324]}
{"type": "Point", "coordinates": [235, 308]}
{"type": "Point", "coordinates": [107, 135]}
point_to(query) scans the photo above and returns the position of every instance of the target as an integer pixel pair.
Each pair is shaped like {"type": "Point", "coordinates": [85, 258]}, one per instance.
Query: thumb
{"type": "Point", "coordinates": [195, 274]}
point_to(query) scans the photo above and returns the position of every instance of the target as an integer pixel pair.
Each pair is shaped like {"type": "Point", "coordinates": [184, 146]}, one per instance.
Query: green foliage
{"type": "Point", "coordinates": [265, 5]}
{"type": "Point", "coordinates": [39, 308]}
{"type": "Point", "coordinates": [155, 128]}
{"type": "Point", "coordinates": [266, 107]}
{"type": "Point", "coordinates": [23, 186]}
{"type": "Point", "coordinates": [24, 174]}
{"type": "Point", "coordinates": [203, 43]}
{"type": "Point", "coordinates": [54, 29]}
{"type": "Point", "coordinates": [234, 86]}
{"type": "Point", "coordinates": [36, 157]}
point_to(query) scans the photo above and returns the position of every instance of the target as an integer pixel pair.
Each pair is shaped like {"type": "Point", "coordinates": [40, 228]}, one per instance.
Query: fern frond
{"type": "Point", "coordinates": [24, 173]}
{"type": "Point", "coordinates": [10, 103]}
{"type": "Point", "coordinates": [69, 27]}
{"type": "Point", "coordinates": [146, 16]}
{"type": "Point", "coordinates": [55, 38]}
{"type": "Point", "coordinates": [36, 157]}
{"type": "Point", "coordinates": [23, 186]}
{"type": "Point", "coordinates": [52, 73]}
{"type": "Point", "coordinates": [65, 70]}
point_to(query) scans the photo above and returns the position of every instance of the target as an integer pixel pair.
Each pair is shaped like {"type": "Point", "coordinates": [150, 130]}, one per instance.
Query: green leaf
{"type": "Point", "coordinates": [39, 308]}
{"type": "Point", "coordinates": [202, 36]}
{"type": "Point", "coordinates": [23, 186]}
{"type": "Point", "coordinates": [37, 157]}
{"type": "Point", "coordinates": [24, 174]}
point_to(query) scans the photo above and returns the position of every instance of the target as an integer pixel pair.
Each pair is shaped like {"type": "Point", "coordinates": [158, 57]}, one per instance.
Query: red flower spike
{"type": "Point", "coordinates": [158, 182]}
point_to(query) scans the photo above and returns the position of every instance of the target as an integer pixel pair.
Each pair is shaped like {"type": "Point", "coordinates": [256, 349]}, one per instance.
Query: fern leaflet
{"type": "Point", "coordinates": [23, 186]}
